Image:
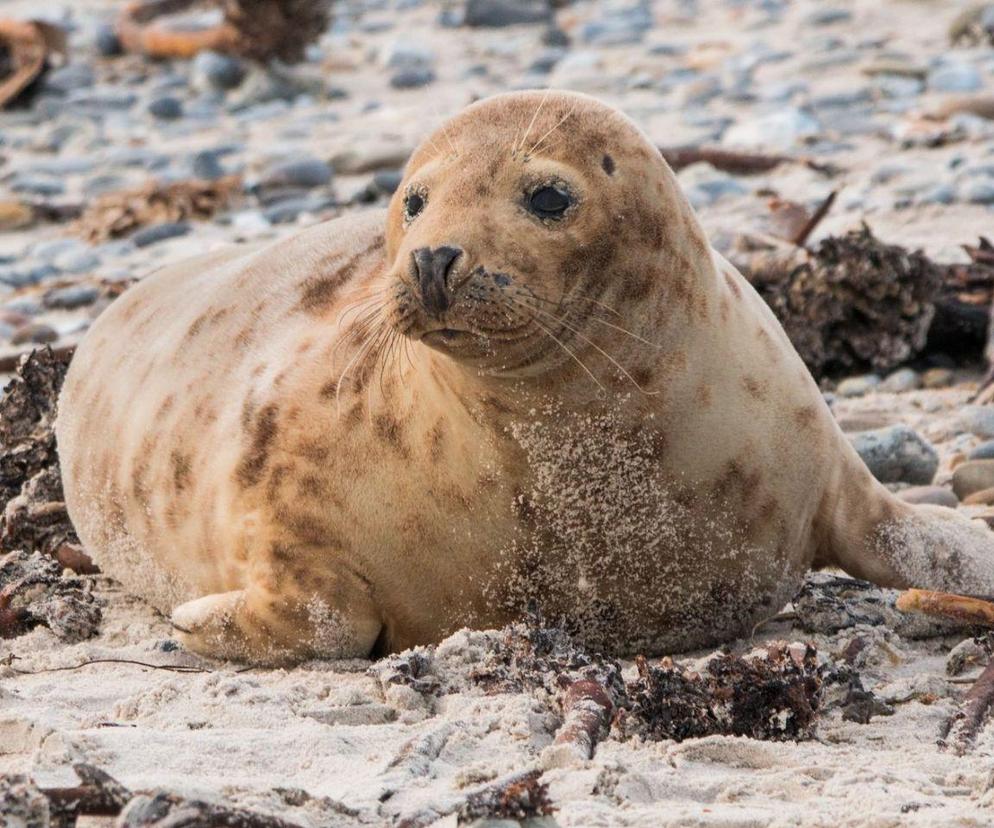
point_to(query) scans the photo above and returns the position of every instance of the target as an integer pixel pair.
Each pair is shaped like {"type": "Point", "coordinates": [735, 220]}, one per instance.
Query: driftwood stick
{"type": "Point", "coordinates": [587, 711]}
{"type": "Point", "coordinates": [946, 605]}
{"type": "Point", "coordinates": [962, 728]}
{"type": "Point", "coordinates": [802, 235]}
{"type": "Point", "coordinates": [735, 162]}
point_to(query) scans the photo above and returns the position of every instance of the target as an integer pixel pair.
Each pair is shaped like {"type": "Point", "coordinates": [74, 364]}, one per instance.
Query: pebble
{"type": "Point", "coordinates": [159, 232]}
{"type": "Point", "coordinates": [214, 71]}
{"type": "Point", "coordinates": [973, 476]}
{"type": "Point", "coordinates": [287, 210]}
{"type": "Point", "coordinates": [402, 54]}
{"type": "Point", "coordinates": [904, 379]}
{"type": "Point", "coordinates": [858, 386]}
{"type": "Point", "coordinates": [500, 13]}
{"type": "Point", "coordinates": [76, 261]}
{"type": "Point", "coordinates": [777, 131]}
{"type": "Point", "coordinates": [985, 497]}
{"type": "Point", "coordinates": [412, 78]}
{"type": "Point", "coordinates": [977, 420]}
{"type": "Point", "coordinates": [936, 495]}
{"type": "Point", "coordinates": [369, 159]}
{"type": "Point", "coordinates": [36, 185]}
{"type": "Point", "coordinates": [70, 77]}
{"type": "Point", "coordinates": [623, 28]}
{"type": "Point", "coordinates": [205, 165]}
{"type": "Point", "coordinates": [826, 17]}
{"type": "Point", "coordinates": [937, 378]}
{"type": "Point", "coordinates": [166, 108]}
{"type": "Point", "coordinates": [387, 181]}
{"type": "Point", "coordinates": [979, 191]}
{"type": "Point", "coordinates": [301, 172]}
{"type": "Point", "coordinates": [37, 333]}
{"type": "Point", "coordinates": [107, 42]}
{"type": "Point", "coordinates": [954, 77]}
{"type": "Point", "coordinates": [985, 451]}
{"type": "Point", "coordinates": [897, 454]}
{"type": "Point", "coordinates": [70, 297]}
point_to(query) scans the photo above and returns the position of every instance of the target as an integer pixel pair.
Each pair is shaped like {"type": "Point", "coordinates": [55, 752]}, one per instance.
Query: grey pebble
{"type": "Point", "coordinates": [826, 17]}
{"type": "Point", "coordinates": [904, 379]}
{"type": "Point", "coordinates": [205, 165]}
{"type": "Point", "coordinates": [214, 71]}
{"type": "Point", "coordinates": [159, 232]}
{"type": "Point", "coordinates": [301, 172]}
{"type": "Point", "coordinates": [387, 181]}
{"type": "Point", "coordinates": [978, 420]}
{"type": "Point", "coordinates": [897, 454]}
{"type": "Point", "coordinates": [287, 210]}
{"type": "Point", "coordinates": [76, 261]}
{"type": "Point", "coordinates": [70, 297]}
{"type": "Point", "coordinates": [36, 185]}
{"type": "Point", "coordinates": [954, 77]}
{"type": "Point", "coordinates": [412, 78]}
{"type": "Point", "coordinates": [857, 386]}
{"type": "Point", "coordinates": [107, 42]}
{"type": "Point", "coordinates": [499, 13]}
{"type": "Point", "coordinates": [985, 451]}
{"type": "Point", "coordinates": [980, 191]}
{"type": "Point", "coordinates": [166, 108]}
{"type": "Point", "coordinates": [70, 77]}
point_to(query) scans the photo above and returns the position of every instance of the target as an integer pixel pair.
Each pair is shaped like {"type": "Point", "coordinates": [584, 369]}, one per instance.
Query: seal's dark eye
{"type": "Point", "coordinates": [549, 202]}
{"type": "Point", "coordinates": [413, 204]}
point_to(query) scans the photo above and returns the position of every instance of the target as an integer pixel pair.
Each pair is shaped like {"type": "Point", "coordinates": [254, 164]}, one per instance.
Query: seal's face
{"type": "Point", "coordinates": [516, 221]}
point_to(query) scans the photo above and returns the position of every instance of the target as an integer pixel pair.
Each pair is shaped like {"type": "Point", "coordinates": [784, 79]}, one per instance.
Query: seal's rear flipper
{"type": "Point", "coordinates": [894, 544]}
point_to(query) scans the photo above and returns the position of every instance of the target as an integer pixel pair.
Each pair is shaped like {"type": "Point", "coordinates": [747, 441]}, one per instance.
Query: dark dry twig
{"type": "Point", "coordinates": [802, 235]}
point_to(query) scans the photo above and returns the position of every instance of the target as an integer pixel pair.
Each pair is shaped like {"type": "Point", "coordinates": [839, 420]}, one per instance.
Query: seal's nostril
{"type": "Point", "coordinates": [432, 266]}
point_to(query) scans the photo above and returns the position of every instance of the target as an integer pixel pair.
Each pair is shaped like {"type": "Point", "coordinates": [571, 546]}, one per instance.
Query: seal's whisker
{"type": "Point", "coordinates": [518, 144]}
{"type": "Point", "coordinates": [551, 130]}
{"type": "Point", "coordinates": [596, 347]}
{"type": "Point", "coordinates": [572, 355]}
{"type": "Point", "coordinates": [357, 357]}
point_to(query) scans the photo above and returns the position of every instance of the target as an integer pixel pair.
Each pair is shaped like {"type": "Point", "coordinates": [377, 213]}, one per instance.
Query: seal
{"type": "Point", "coordinates": [529, 383]}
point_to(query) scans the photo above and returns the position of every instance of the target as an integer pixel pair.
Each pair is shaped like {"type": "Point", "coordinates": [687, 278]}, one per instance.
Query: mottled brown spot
{"type": "Point", "coordinates": [806, 415]}
{"type": "Point", "coordinates": [182, 470]}
{"type": "Point", "coordinates": [389, 430]}
{"type": "Point", "coordinates": [732, 285]}
{"type": "Point", "coordinates": [435, 437]}
{"type": "Point", "coordinates": [254, 459]}
{"type": "Point", "coordinates": [703, 396]}
{"type": "Point", "coordinates": [754, 388]}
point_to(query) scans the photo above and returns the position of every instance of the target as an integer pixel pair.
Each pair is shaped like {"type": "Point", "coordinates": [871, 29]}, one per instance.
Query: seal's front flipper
{"type": "Point", "coordinates": [260, 626]}
{"type": "Point", "coordinates": [892, 543]}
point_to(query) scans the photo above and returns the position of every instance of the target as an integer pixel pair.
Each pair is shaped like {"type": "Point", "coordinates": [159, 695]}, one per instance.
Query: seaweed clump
{"type": "Point", "coordinates": [775, 696]}
{"type": "Point", "coordinates": [854, 302]}
{"type": "Point", "coordinates": [33, 514]}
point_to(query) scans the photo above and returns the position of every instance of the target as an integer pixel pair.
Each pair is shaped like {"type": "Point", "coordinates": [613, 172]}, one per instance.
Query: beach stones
{"type": "Point", "coordinates": [973, 476]}
{"type": "Point", "coordinates": [897, 454]}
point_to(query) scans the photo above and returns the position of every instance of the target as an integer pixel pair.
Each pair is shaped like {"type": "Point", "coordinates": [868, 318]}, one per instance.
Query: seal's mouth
{"type": "Point", "coordinates": [446, 338]}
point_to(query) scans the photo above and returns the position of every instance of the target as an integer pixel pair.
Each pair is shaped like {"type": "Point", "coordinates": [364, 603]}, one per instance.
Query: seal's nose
{"type": "Point", "coordinates": [432, 266]}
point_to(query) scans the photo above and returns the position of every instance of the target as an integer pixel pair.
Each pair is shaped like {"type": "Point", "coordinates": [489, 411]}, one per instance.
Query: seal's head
{"type": "Point", "coordinates": [523, 217]}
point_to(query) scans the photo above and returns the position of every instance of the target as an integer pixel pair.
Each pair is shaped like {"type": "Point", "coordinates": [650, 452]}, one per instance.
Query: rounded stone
{"type": "Point", "coordinates": [978, 420]}
{"type": "Point", "coordinates": [107, 42]}
{"type": "Point", "coordinates": [212, 70]}
{"type": "Point", "coordinates": [166, 109]}
{"type": "Point", "coordinates": [897, 454]}
{"type": "Point", "coordinates": [412, 78]}
{"type": "Point", "coordinates": [70, 297]}
{"type": "Point", "coordinates": [985, 497]}
{"type": "Point", "coordinates": [37, 333]}
{"type": "Point", "coordinates": [937, 378]}
{"type": "Point", "coordinates": [904, 379]}
{"type": "Point", "coordinates": [985, 451]}
{"type": "Point", "coordinates": [935, 495]}
{"type": "Point", "coordinates": [159, 232]}
{"type": "Point", "coordinates": [973, 476]}
{"type": "Point", "coordinates": [857, 386]}
{"type": "Point", "coordinates": [301, 172]}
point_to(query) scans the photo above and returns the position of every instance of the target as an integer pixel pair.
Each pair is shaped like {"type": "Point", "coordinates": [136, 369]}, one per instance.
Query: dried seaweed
{"type": "Point", "coordinates": [974, 26]}
{"type": "Point", "coordinates": [523, 796]}
{"type": "Point", "coordinates": [256, 29]}
{"type": "Point", "coordinates": [22, 802]}
{"type": "Point", "coordinates": [34, 591]}
{"type": "Point", "coordinates": [32, 510]}
{"type": "Point", "coordinates": [853, 303]}
{"type": "Point", "coordinates": [774, 697]}
{"type": "Point", "coordinates": [118, 214]}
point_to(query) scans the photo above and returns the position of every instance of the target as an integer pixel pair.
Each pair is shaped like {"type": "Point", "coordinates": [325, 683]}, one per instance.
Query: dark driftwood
{"type": "Point", "coordinates": [961, 729]}
{"type": "Point", "coordinates": [732, 161]}
{"type": "Point", "coordinates": [587, 709]}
